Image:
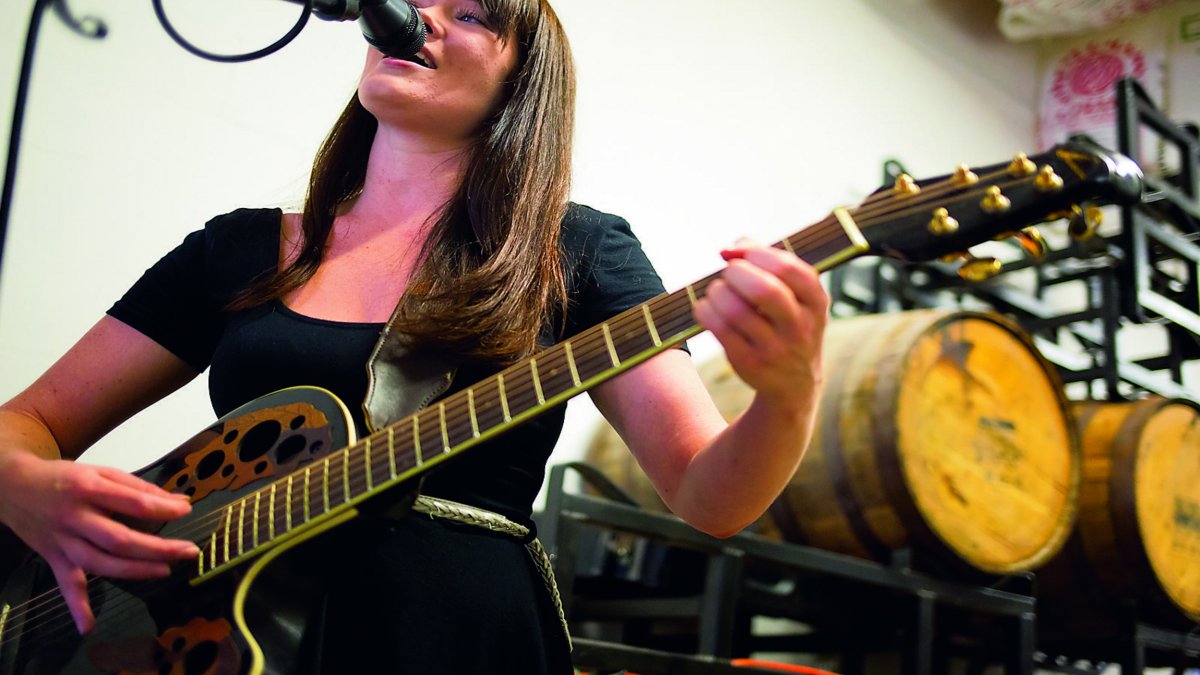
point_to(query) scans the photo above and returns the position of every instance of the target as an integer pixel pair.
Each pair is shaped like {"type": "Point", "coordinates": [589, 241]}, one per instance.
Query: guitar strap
{"type": "Point", "coordinates": [401, 381]}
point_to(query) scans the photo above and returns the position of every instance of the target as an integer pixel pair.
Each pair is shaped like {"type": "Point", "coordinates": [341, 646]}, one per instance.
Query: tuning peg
{"type": "Point", "coordinates": [995, 201]}
{"type": "Point", "coordinates": [954, 257]}
{"type": "Point", "coordinates": [1047, 180]}
{"type": "Point", "coordinates": [1084, 222]}
{"type": "Point", "coordinates": [964, 176]}
{"type": "Point", "coordinates": [980, 269]}
{"type": "Point", "coordinates": [1032, 242]}
{"type": "Point", "coordinates": [942, 223]}
{"type": "Point", "coordinates": [906, 186]}
{"type": "Point", "coordinates": [1029, 239]}
{"type": "Point", "coordinates": [1021, 166]}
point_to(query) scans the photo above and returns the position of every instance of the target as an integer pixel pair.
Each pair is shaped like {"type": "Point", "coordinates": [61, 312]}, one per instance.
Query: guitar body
{"type": "Point", "coordinates": [224, 624]}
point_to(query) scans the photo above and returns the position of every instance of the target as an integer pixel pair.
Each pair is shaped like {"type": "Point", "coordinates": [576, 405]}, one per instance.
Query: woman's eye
{"type": "Point", "coordinates": [472, 17]}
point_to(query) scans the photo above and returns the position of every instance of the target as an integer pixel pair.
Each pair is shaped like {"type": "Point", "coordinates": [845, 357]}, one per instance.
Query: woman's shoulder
{"type": "Point", "coordinates": [230, 248]}
{"type": "Point", "coordinates": [245, 225]}
{"type": "Point", "coordinates": [585, 230]}
{"type": "Point", "coordinates": [583, 218]}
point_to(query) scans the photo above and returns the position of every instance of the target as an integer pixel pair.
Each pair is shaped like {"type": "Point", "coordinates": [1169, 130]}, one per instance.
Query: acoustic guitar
{"type": "Point", "coordinates": [285, 472]}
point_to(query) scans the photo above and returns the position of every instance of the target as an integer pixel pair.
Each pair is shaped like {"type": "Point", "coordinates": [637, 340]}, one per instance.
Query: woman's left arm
{"type": "Point", "coordinates": [768, 311]}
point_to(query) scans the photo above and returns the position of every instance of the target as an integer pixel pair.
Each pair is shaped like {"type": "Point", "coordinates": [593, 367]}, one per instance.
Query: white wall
{"type": "Point", "coordinates": [699, 121]}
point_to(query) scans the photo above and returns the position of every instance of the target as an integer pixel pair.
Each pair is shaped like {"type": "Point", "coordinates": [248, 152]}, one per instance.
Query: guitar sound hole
{"type": "Point", "coordinates": [289, 448]}
{"type": "Point", "coordinates": [231, 436]}
{"type": "Point", "coordinates": [211, 463]}
{"type": "Point", "coordinates": [259, 440]}
{"type": "Point", "coordinates": [297, 422]}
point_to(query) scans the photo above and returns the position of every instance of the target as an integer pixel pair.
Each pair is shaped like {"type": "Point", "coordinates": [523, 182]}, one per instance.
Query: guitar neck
{"type": "Point", "coordinates": [330, 488]}
{"type": "Point", "coordinates": [528, 388]}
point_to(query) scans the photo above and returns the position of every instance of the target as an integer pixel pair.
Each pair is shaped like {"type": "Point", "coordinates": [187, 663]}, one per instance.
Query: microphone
{"type": "Point", "coordinates": [392, 26]}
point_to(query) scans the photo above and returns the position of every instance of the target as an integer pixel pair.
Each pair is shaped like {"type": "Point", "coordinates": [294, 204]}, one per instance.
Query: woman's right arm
{"type": "Point", "coordinates": [63, 509]}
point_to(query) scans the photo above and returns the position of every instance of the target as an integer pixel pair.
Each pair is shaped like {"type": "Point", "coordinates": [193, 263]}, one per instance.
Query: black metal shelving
{"type": "Point", "coordinates": [852, 609]}
{"type": "Point", "coordinates": [1141, 281]}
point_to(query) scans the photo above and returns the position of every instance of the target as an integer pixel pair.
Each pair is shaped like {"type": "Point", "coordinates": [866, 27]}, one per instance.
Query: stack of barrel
{"type": "Point", "coordinates": [1134, 554]}
{"type": "Point", "coordinates": [948, 434]}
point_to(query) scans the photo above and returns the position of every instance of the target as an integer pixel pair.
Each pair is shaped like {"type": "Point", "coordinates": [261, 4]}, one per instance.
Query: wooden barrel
{"type": "Point", "coordinates": [944, 432]}
{"type": "Point", "coordinates": [1137, 540]}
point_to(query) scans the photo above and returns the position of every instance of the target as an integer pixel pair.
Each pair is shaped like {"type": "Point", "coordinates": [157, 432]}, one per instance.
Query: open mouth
{"type": "Point", "coordinates": [420, 60]}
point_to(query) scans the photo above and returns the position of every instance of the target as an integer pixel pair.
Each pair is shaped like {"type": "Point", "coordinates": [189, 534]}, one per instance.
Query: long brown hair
{"type": "Point", "coordinates": [490, 275]}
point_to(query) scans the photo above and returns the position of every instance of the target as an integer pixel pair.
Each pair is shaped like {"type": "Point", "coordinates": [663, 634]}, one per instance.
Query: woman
{"type": "Point", "coordinates": [441, 193]}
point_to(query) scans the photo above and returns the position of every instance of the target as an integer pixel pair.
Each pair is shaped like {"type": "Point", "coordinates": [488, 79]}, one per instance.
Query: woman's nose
{"type": "Point", "coordinates": [432, 29]}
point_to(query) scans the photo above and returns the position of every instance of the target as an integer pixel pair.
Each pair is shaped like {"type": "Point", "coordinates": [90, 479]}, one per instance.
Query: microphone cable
{"type": "Point", "coordinates": [233, 58]}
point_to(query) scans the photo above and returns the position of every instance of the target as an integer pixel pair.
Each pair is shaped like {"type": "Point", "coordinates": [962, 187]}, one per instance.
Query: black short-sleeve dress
{"type": "Point", "coordinates": [418, 595]}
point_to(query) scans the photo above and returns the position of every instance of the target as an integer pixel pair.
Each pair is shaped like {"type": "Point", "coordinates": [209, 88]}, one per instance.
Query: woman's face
{"type": "Point", "coordinates": [461, 82]}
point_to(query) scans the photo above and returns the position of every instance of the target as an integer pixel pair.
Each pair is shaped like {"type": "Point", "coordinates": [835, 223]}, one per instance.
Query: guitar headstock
{"type": "Point", "coordinates": [926, 220]}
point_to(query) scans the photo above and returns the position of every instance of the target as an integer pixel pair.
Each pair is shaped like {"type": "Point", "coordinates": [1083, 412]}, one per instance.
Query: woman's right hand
{"type": "Point", "coordinates": [65, 511]}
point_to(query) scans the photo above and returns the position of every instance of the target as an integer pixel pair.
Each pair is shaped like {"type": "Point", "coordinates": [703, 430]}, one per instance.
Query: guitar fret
{"type": "Point", "coordinates": [788, 245]}
{"type": "Point", "coordinates": [367, 453]}
{"type": "Point", "coordinates": [240, 527]}
{"type": "Point", "coordinates": [537, 382]}
{"type": "Point", "coordinates": [445, 434]}
{"type": "Point", "coordinates": [271, 511]}
{"type": "Point", "coordinates": [257, 503]}
{"type": "Point", "coordinates": [307, 471]}
{"type": "Point", "coordinates": [416, 442]}
{"type": "Point", "coordinates": [677, 320]}
{"type": "Point", "coordinates": [287, 506]}
{"type": "Point", "coordinates": [392, 450]}
{"type": "Point", "coordinates": [503, 397]}
{"type": "Point", "coordinates": [612, 350]}
{"type": "Point", "coordinates": [571, 363]}
{"type": "Point", "coordinates": [212, 551]}
{"type": "Point", "coordinates": [345, 477]}
{"type": "Point", "coordinates": [325, 485]}
{"type": "Point", "coordinates": [692, 295]}
{"type": "Point", "coordinates": [650, 325]}
{"type": "Point", "coordinates": [471, 412]}
{"type": "Point", "coordinates": [3, 620]}
{"type": "Point", "coordinates": [228, 523]}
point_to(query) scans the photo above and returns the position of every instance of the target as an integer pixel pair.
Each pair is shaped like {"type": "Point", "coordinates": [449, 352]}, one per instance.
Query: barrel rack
{"type": "Point", "coordinates": [854, 608]}
{"type": "Point", "coordinates": [863, 616]}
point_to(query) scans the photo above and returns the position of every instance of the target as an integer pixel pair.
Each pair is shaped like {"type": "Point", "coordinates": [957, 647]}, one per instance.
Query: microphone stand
{"type": "Point", "coordinates": [89, 27]}
{"type": "Point", "coordinates": [94, 28]}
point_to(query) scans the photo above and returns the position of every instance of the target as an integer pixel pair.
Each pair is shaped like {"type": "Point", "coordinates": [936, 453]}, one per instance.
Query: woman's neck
{"type": "Point", "coordinates": [407, 180]}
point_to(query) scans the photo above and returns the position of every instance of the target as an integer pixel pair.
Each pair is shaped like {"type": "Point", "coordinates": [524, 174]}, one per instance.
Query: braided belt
{"type": "Point", "coordinates": [477, 517]}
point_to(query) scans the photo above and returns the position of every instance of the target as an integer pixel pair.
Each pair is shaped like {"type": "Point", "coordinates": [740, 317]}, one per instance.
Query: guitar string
{"type": "Point", "coordinates": [585, 339]}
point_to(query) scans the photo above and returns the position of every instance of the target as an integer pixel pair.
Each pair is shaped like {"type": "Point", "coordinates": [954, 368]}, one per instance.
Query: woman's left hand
{"type": "Point", "coordinates": [768, 310]}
